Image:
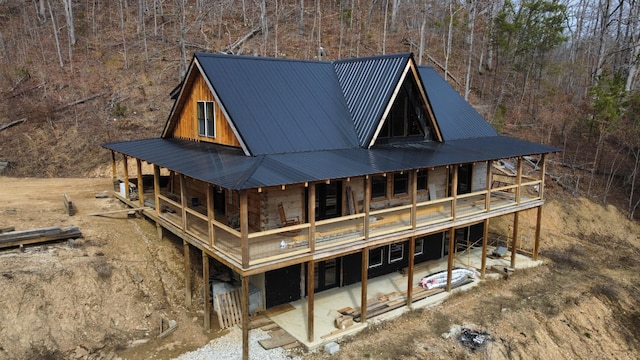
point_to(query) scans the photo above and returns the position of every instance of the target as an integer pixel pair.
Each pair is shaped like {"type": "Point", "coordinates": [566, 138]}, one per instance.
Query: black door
{"type": "Point", "coordinates": [328, 200]}
{"type": "Point", "coordinates": [327, 274]}
{"type": "Point", "coordinates": [282, 285]}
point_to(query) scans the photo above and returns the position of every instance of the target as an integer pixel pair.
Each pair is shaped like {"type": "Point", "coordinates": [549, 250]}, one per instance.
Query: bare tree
{"type": "Point", "coordinates": [55, 33]}
{"type": "Point", "coordinates": [68, 14]}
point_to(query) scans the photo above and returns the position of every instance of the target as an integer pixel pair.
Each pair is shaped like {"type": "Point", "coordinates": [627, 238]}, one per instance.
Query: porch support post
{"type": "Point", "coordinates": [487, 199]}
{"type": "Point", "coordinates": [244, 300]}
{"type": "Point", "coordinates": [413, 182]}
{"type": "Point", "coordinates": [156, 197]}
{"type": "Point", "coordinates": [519, 180]}
{"type": "Point", "coordinates": [244, 228]}
{"type": "Point", "coordinates": [543, 171]}
{"type": "Point", "coordinates": [485, 236]}
{"type": "Point", "coordinates": [207, 294]}
{"type": "Point", "coordinates": [365, 205]}
{"type": "Point", "coordinates": [536, 242]}
{"type": "Point", "coordinates": [125, 163]}
{"type": "Point", "coordinates": [412, 250]}
{"type": "Point", "coordinates": [310, 299]}
{"type": "Point", "coordinates": [114, 167]}
{"type": "Point", "coordinates": [183, 201]}
{"type": "Point", "coordinates": [311, 211]}
{"type": "Point", "coordinates": [140, 184]}
{"type": "Point", "coordinates": [454, 192]}
{"type": "Point", "coordinates": [187, 273]}
{"type": "Point", "coordinates": [363, 292]}
{"type": "Point", "coordinates": [452, 234]}
{"type": "Point", "coordinates": [210, 213]}
{"type": "Point", "coordinates": [515, 239]}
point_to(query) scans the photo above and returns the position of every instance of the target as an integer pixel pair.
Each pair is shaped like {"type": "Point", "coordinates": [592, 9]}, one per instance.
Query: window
{"type": "Point", "coordinates": [378, 187]}
{"type": "Point", "coordinates": [400, 184]}
{"type": "Point", "coordinates": [422, 180]}
{"type": "Point", "coordinates": [375, 257]}
{"type": "Point", "coordinates": [205, 119]}
{"type": "Point", "coordinates": [396, 252]}
{"type": "Point", "coordinates": [408, 116]}
{"type": "Point", "coordinates": [419, 249]}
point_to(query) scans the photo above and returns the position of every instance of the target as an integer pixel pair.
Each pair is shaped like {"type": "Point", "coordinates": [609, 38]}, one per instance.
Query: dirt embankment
{"type": "Point", "coordinates": [95, 297]}
{"type": "Point", "coordinates": [103, 296]}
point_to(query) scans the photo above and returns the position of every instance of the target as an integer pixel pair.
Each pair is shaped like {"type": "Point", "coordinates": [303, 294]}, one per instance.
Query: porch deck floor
{"type": "Point", "coordinates": [328, 302]}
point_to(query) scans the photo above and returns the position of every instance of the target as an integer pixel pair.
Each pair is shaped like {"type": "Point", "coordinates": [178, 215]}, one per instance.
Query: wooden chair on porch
{"type": "Point", "coordinates": [287, 221]}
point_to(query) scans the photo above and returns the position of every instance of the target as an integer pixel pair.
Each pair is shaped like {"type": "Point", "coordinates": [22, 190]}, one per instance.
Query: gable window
{"type": "Point", "coordinates": [375, 257]}
{"type": "Point", "coordinates": [206, 122]}
{"type": "Point", "coordinates": [408, 115]}
{"type": "Point", "coordinates": [422, 180]}
{"type": "Point", "coordinates": [396, 252]}
{"type": "Point", "coordinates": [400, 184]}
{"type": "Point", "coordinates": [378, 187]}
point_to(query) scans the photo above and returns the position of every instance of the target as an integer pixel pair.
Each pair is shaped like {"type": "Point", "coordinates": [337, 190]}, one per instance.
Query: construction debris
{"type": "Point", "coordinates": [167, 327]}
{"type": "Point", "coordinates": [473, 339]}
{"type": "Point", "coordinates": [68, 204]}
{"type": "Point", "coordinates": [23, 237]}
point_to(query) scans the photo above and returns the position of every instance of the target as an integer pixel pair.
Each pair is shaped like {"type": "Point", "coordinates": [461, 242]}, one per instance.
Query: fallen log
{"type": "Point", "coordinates": [13, 123]}
{"type": "Point", "coordinates": [24, 237]}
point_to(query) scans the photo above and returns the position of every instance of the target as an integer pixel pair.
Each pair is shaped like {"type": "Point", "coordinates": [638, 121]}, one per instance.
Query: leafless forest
{"type": "Point", "coordinates": [77, 73]}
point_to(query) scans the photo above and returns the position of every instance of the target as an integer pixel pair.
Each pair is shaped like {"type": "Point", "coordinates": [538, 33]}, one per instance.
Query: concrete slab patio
{"type": "Point", "coordinates": [327, 303]}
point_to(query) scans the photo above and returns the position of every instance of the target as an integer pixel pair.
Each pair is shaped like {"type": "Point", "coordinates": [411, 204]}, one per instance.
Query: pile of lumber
{"type": "Point", "coordinates": [24, 237]}
{"type": "Point", "coordinates": [389, 302]}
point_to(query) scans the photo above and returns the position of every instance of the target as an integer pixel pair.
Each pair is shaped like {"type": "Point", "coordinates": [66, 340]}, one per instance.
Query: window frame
{"type": "Point", "coordinates": [386, 188]}
{"type": "Point", "coordinates": [426, 180]}
{"type": "Point", "coordinates": [206, 119]}
{"type": "Point", "coordinates": [381, 254]}
{"type": "Point", "coordinates": [415, 250]}
{"type": "Point", "coordinates": [394, 248]}
{"type": "Point", "coordinates": [394, 191]}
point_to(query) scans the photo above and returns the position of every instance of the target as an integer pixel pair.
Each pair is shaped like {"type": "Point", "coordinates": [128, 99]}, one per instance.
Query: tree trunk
{"type": "Point", "coordinates": [471, 26]}
{"type": "Point", "coordinates": [68, 13]}
{"type": "Point", "coordinates": [55, 33]}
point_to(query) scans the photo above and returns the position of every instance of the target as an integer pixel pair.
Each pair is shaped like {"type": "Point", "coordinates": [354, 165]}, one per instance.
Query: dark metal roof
{"type": "Point", "coordinates": [368, 84]}
{"type": "Point", "coordinates": [456, 118]}
{"type": "Point", "coordinates": [281, 105]}
{"type": "Point", "coordinates": [230, 168]}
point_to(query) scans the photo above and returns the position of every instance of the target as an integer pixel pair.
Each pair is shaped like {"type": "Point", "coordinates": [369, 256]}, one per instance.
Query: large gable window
{"type": "Point", "coordinates": [408, 115]}
{"type": "Point", "coordinates": [206, 123]}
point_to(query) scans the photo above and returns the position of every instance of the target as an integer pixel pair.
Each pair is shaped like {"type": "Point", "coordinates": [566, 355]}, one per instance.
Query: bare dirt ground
{"type": "Point", "coordinates": [103, 296]}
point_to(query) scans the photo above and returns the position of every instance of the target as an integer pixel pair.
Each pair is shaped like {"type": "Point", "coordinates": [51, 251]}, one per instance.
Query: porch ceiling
{"type": "Point", "coordinates": [231, 169]}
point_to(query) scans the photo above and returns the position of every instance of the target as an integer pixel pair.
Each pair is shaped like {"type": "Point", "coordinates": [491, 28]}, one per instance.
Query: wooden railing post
{"type": "Point", "coordinates": [125, 162]}
{"type": "Point", "coordinates": [183, 201]}
{"type": "Point", "coordinates": [365, 205]}
{"type": "Point", "coordinates": [519, 180]}
{"type": "Point", "coordinates": [187, 272]}
{"type": "Point", "coordinates": [140, 183]}
{"type": "Point", "coordinates": [210, 214]}
{"type": "Point", "coordinates": [412, 250]}
{"type": "Point", "coordinates": [311, 212]}
{"type": "Point", "coordinates": [454, 192]}
{"type": "Point", "coordinates": [488, 197]}
{"type": "Point", "coordinates": [244, 228]}
{"type": "Point", "coordinates": [413, 181]}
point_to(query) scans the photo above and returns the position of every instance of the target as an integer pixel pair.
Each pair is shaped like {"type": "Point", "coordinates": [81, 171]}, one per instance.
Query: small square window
{"type": "Point", "coordinates": [375, 257]}
{"type": "Point", "coordinates": [396, 252]}
{"type": "Point", "coordinates": [378, 187]}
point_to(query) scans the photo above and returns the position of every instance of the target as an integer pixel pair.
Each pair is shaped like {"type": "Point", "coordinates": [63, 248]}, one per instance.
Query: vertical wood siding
{"type": "Point", "coordinates": [187, 126]}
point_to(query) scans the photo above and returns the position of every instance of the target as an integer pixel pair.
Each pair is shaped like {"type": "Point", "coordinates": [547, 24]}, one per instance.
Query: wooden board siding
{"type": "Point", "coordinates": [292, 199]}
{"type": "Point", "coordinates": [187, 126]}
{"type": "Point", "coordinates": [479, 177]}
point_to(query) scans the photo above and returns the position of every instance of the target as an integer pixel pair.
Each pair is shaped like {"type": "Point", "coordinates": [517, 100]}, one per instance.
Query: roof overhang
{"type": "Point", "coordinates": [232, 169]}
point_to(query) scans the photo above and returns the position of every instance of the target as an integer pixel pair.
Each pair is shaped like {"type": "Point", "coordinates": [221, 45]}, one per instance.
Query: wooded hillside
{"type": "Point", "coordinates": [75, 74]}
